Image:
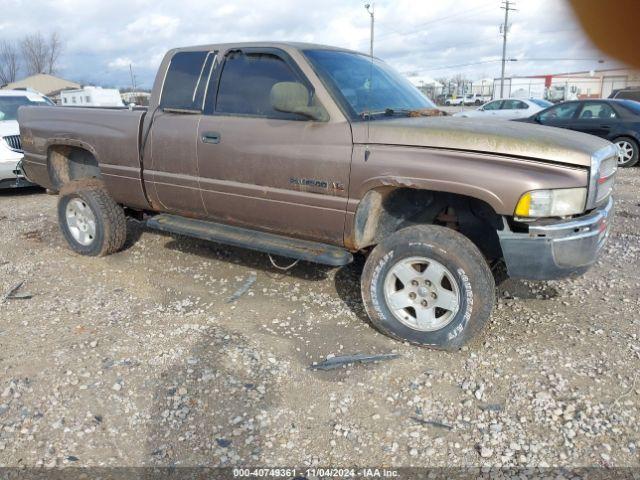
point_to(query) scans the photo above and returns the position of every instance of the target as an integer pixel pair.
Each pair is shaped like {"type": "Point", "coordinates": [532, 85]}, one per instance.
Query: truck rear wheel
{"type": "Point", "coordinates": [428, 285]}
{"type": "Point", "coordinates": [91, 221]}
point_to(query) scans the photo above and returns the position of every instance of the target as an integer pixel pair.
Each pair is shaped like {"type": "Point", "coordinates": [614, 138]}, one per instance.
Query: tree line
{"type": "Point", "coordinates": [33, 54]}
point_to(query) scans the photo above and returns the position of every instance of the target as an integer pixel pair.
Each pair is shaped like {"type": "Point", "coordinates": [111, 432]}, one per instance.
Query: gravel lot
{"type": "Point", "coordinates": [141, 359]}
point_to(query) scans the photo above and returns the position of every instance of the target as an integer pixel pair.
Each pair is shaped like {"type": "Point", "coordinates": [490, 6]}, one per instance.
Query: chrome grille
{"type": "Point", "coordinates": [14, 142]}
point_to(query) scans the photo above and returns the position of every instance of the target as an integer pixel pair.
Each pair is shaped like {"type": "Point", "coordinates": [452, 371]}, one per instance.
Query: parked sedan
{"type": "Point", "coordinates": [10, 148]}
{"type": "Point", "coordinates": [506, 108]}
{"type": "Point", "coordinates": [616, 120]}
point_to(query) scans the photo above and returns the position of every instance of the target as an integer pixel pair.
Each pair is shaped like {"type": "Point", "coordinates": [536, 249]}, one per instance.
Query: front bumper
{"type": "Point", "coordinates": [12, 176]}
{"type": "Point", "coordinates": [557, 249]}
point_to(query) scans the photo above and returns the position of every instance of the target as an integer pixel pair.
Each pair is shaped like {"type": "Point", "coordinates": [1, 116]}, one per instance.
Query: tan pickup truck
{"type": "Point", "coordinates": [318, 153]}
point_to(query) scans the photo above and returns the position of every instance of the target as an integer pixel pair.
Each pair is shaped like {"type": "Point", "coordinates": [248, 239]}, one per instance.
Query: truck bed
{"type": "Point", "coordinates": [112, 135]}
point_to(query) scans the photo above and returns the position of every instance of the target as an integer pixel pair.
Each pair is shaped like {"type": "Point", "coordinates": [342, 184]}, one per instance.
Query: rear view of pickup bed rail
{"type": "Point", "coordinates": [319, 153]}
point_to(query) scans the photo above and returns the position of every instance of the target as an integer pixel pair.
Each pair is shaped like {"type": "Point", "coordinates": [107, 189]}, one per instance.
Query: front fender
{"type": "Point", "coordinates": [498, 180]}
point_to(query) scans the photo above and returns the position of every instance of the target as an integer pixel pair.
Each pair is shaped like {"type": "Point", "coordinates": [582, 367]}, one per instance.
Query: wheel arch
{"type": "Point", "coordinates": [385, 209]}
{"type": "Point", "coordinates": [70, 160]}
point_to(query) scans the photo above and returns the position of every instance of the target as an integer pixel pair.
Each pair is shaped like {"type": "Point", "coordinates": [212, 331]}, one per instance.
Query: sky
{"type": "Point", "coordinates": [428, 38]}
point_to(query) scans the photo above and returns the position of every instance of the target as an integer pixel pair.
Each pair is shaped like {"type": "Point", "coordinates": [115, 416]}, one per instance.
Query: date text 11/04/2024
{"type": "Point", "coordinates": [314, 472]}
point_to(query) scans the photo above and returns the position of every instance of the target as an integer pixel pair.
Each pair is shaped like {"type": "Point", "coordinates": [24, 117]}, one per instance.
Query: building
{"type": "Point", "coordinates": [429, 86]}
{"type": "Point", "coordinates": [46, 84]}
{"type": "Point", "coordinates": [569, 86]}
{"type": "Point", "coordinates": [483, 86]}
{"type": "Point", "coordinates": [137, 98]}
{"type": "Point", "coordinates": [91, 97]}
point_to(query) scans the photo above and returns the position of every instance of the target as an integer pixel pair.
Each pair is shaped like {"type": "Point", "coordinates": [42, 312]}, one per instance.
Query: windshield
{"type": "Point", "coordinates": [540, 102]}
{"type": "Point", "coordinates": [9, 104]}
{"type": "Point", "coordinates": [367, 87]}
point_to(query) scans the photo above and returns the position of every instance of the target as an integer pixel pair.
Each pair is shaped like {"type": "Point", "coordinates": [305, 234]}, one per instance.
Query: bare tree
{"type": "Point", "coordinates": [41, 55]}
{"type": "Point", "coordinates": [9, 61]}
{"type": "Point", "coordinates": [55, 49]}
{"type": "Point", "coordinates": [35, 53]}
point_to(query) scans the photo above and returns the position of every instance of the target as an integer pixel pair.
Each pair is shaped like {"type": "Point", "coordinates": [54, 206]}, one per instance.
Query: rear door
{"type": "Point", "coordinates": [267, 169]}
{"type": "Point", "coordinates": [173, 139]}
{"type": "Point", "coordinates": [596, 118]}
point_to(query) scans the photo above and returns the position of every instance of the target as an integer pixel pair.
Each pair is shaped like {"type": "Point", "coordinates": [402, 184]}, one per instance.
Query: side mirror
{"type": "Point", "coordinates": [293, 97]}
{"type": "Point", "coordinates": [537, 119]}
{"type": "Point", "coordinates": [1, 115]}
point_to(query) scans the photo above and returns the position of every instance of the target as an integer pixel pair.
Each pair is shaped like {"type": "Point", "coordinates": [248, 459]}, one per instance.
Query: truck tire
{"type": "Point", "coordinates": [428, 285]}
{"type": "Point", "coordinates": [91, 221]}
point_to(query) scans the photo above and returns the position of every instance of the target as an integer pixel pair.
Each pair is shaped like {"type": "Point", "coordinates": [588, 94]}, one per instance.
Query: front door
{"type": "Point", "coordinates": [266, 169]}
{"type": "Point", "coordinates": [559, 116]}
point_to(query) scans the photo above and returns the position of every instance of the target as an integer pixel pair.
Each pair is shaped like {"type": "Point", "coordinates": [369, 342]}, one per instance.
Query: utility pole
{"type": "Point", "coordinates": [507, 6]}
{"type": "Point", "coordinates": [370, 9]}
{"type": "Point", "coordinates": [133, 78]}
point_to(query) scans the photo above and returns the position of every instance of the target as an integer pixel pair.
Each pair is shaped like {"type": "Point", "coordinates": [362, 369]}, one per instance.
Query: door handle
{"type": "Point", "coordinates": [211, 137]}
{"type": "Point", "coordinates": [605, 127]}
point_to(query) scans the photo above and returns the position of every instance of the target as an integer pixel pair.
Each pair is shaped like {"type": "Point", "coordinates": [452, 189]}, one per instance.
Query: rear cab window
{"type": "Point", "coordinates": [187, 79]}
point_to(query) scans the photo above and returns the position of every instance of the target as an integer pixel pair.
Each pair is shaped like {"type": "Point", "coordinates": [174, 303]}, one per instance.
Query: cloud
{"type": "Point", "coordinates": [121, 63]}
{"type": "Point", "coordinates": [102, 38]}
{"type": "Point", "coordinates": [154, 25]}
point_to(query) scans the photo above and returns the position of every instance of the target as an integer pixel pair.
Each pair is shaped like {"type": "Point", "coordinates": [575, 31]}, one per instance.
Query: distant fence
{"type": "Point", "coordinates": [565, 87]}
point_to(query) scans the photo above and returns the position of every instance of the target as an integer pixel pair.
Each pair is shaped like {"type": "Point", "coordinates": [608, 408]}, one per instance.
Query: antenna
{"type": "Point", "coordinates": [507, 6]}
{"type": "Point", "coordinates": [371, 10]}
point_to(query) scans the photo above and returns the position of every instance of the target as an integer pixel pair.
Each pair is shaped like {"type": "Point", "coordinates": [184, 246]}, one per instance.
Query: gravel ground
{"type": "Point", "coordinates": [141, 359]}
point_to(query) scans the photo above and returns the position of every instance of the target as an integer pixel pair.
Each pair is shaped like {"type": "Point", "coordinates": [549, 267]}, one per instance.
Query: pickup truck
{"type": "Point", "coordinates": [318, 153]}
{"type": "Point", "coordinates": [476, 99]}
{"type": "Point", "coordinates": [454, 101]}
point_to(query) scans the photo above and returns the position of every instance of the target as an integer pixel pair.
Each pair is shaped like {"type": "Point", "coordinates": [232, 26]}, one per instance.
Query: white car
{"type": "Point", "coordinates": [507, 109]}
{"type": "Point", "coordinates": [10, 148]}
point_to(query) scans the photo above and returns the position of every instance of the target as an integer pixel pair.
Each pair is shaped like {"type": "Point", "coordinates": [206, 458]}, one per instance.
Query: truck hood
{"type": "Point", "coordinates": [483, 135]}
{"type": "Point", "coordinates": [9, 127]}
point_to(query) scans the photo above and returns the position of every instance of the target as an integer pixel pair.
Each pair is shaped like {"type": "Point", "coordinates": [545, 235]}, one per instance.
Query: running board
{"type": "Point", "coordinates": [252, 239]}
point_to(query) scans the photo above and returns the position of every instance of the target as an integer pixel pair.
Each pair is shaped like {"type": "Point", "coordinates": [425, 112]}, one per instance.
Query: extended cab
{"type": "Point", "coordinates": [318, 153]}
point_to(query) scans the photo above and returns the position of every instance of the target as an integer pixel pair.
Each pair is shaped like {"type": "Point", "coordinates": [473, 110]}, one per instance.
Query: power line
{"type": "Point", "coordinates": [446, 67]}
{"type": "Point", "coordinates": [446, 18]}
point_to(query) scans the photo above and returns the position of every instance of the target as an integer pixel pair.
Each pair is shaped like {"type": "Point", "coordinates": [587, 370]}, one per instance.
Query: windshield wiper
{"type": "Point", "coordinates": [415, 112]}
{"type": "Point", "coordinates": [374, 113]}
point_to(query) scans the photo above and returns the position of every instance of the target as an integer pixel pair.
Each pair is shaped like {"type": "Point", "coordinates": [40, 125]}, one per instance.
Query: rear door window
{"type": "Point", "coordinates": [597, 111]}
{"type": "Point", "coordinates": [245, 85]}
{"type": "Point", "coordinates": [187, 80]}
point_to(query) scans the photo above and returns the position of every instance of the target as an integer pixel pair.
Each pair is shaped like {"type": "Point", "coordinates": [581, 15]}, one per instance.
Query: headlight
{"type": "Point", "coordinates": [552, 203]}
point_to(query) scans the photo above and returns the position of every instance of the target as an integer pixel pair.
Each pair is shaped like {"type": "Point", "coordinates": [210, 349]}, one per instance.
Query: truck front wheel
{"type": "Point", "coordinates": [428, 285]}
{"type": "Point", "coordinates": [91, 221]}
